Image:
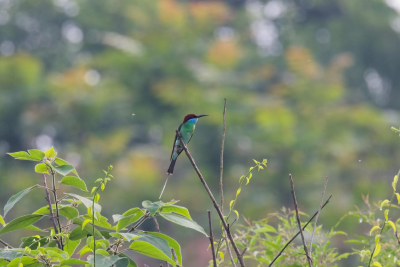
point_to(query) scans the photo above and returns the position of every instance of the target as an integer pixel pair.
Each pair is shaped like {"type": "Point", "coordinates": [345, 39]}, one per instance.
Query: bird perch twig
{"type": "Point", "coordinates": [294, 237]}
{"type": "Point", "coordinates": [298, 221]}
{"type": "Point", "coordinates": [319, 210]}
{"type": "Point", "coordinates": [211, 237]}
{"type": "Point", "coordinates": [216, 206]}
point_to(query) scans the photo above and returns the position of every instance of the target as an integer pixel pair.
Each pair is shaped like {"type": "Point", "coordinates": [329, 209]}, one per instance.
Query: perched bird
{"type": "Point", "coordinates": [186, 130]}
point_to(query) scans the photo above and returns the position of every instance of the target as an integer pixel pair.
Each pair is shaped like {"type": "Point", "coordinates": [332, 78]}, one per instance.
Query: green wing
{"type": "Point", "coordinates": [173, 145]}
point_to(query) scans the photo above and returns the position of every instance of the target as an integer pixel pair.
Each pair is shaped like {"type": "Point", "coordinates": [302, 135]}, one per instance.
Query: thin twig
{"type": "Point", "coordinates": [240, 258]}
{"type": "Point", "coordinates": [319, 210]}
{"type": "Point", "coordinates": [51, 211]}
{"type": "Point", "coordinates": [211, 237]}
{"type": "Point", "coordinates": [298, 221]}
{"type": "Point", "coordinates": [229, 250]}
{"type": "Point", "coordinates": [175, 257]}
{"type": "Point", "coordinates": [141, 220]}
{"type": "Point", "coordinates": [294, 237]}
{"type": "Point", "coordinates": [5, 244]}
{"type": "Point", "coordinates": [221, 166]}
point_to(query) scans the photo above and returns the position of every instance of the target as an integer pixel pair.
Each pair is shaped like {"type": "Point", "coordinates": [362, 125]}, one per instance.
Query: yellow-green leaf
{"type": "Point", "coordinates": [50, 153]}
{"type": "Point", "coordinates": [373, 229]}
{"type": "Point", "coordinates": [237, 213]}
{"type": "Point", "coordinates": [238, 192]}
{"type": "Point", "coordinates": [255, 161]}
{"type": "Point", "coordinates": [385, 202]}
{"type": "Point", "coordinates": [398, 198]}
{"type": "Point", "coordinates": [85, 223]}
{"type": "Point", "coordinates": [377, 250]}
{"type": "Point", "coordinates": [392, 225]}
{"type": "Point", "coordinates": [377, 264]}
{"type": "Point", "coordinates": [102, 187]}
{"type": "Point", "coordinates": [386, 213]}
{"type": "Point", "coordinates": [230, 204]}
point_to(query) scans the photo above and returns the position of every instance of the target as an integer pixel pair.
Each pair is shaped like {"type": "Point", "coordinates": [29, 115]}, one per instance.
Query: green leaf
{"type": "Point", "coordinates": [2, 220]}
{"type": "Point", "coordinates": [62, 162]}
{"type": "Point", "coordinates": [20, 223]}
{"type": "Point", "coordinates": [103, 261]}
{"type": "Point", "coordinates": [66, 211]}
{"type": "Point", "coordinates": [127, 236]}
{"type": "Point", "coordinates": [152, 207]}
{"type": "Point", "coordinates": [153, 247]}
{"type": "Point", "coordinates": [177, 209]}
{"type": "Point", "coordinates": [181, 220]}
{"type": "Point", "coordinates": [87, 202]}
{"type": "Point", "coordinates": [79, 233]}
{"type": "Point", "coordinates": [85, 222]}
{"type": "Point", "coordinates": [73, 262]}
{"type": "Point", "coordinates": [100, 221]}
{"type": "Point", "coordinates": [71, 246]}
{"type": "Point", "coordinates": [265, 228]}
{"type": "Point", "coordinates": [172, 243]}
{"type": "Point", "coordinates": [63, 169]}
{"type": "Point", "coordinates": [74, 181]}
{"type": "Point", "coordinates": [22, 155]}
{"type": "Point", "coordinates": [127, 218]}
{"type": "Point", "coordinates": [131, 262]}
{"type": "Point", "coordinates": [50, 153]}
{"type": "Point", "coordinates": [26, 261]}
{"type": "Point", "coordinates": [10, 254]}
{"type": "Point", "coordinates": [33, 228]}
{"type": "Point", "coordinates": [41, 168]}
{"type": "Point", "coordinates": [33, 242]}
{"type": "Point", "coordinates": [15, 198]}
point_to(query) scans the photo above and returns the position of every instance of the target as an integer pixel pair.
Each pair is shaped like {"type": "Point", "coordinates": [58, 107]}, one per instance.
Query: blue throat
{"type": "Point", "coordinates": [194, 120]}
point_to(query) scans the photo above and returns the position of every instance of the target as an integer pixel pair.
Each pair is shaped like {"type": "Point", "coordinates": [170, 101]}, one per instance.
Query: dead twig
{"type": "Point", "coordinates": [218, 209]}
{"type": "Point", "coordinates": [318, 212]}
{"type": "Point", "coordinates": [5, 244]}
{"type": "Point", "coordinates": [298, 221]}
{"type": "Point", "coordinates": [211, 237]}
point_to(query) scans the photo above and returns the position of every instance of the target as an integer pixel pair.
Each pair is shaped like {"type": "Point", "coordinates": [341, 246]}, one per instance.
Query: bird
{"type": "Point", "coordinates": [186, 130]}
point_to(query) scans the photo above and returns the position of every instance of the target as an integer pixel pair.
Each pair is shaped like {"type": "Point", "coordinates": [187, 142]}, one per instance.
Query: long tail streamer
{"type": "Point", "coordinates": [164, 186]}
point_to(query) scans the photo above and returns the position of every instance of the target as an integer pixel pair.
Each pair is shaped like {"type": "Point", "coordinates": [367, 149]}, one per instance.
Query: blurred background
{"type": "Point", "coordinates": [311, 85]}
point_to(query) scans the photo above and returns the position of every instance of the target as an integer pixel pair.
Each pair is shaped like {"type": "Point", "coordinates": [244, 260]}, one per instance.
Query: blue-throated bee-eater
{"type": "Point", "coordinates": [186, 130]}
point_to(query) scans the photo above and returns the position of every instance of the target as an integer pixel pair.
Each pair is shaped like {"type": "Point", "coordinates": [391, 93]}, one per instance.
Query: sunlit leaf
{"type": "Point", "coordinates": [74, 181]}
{"type": "Point", "coordinates": [373, 229]}
{"type": "Point", "coordinates": [377, 250]}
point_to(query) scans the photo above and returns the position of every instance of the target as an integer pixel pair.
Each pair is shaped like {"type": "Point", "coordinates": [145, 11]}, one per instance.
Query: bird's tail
{"type": "Point", "coordinates": [171, 167]}
{"type": "Point", "coordinates": [162, 191]}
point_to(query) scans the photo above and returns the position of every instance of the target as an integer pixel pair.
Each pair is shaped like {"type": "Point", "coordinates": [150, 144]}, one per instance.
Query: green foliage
{"type": "Point", "coordinates": [71, 229]}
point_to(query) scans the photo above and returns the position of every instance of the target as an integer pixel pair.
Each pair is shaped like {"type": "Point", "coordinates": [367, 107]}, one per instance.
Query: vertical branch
{"type": "Point", "coordinates": [298, 221]}
{"type": "Point", "coordinates": [211, 237]}
{"type": "Point", "coordinates": [221, 166]}
{"type": "Point", "coordinates": [229, 251]}
{"type": "Point", "coordinates": [53, 175]}
{"type": "Point", "coordinates": [318, 212]}
{"type": "Point", "coordinates": [51, 211]}
{"type": "Point", "coordinates": [216, 206]}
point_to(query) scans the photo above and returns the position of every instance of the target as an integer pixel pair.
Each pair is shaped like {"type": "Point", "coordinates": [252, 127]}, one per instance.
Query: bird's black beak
{"type": "Point", "coordinates": [199, 116]}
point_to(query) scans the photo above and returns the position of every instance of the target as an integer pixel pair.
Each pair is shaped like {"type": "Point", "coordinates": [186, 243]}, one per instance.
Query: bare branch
{"type": "Point", "coordinates": [211, 237]}
{"type": "Point", "coordinates": [229, 250]}
{"type": "Point", "coordinates": [221, 166]}
{"type": "Point", "coordinates": [298, 221]}
{"type": "Point", "coordinates": [318, 212]}
{"type": "Point", "coordinates": [218, 209]}
{"type": "Point", "coordinates": [51, 211]}
{"type": "Point", "coordinates": [293, 238]}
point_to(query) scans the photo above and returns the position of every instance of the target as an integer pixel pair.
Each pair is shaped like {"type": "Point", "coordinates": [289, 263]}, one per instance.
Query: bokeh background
{"type": "Point", "coordinates": [311, 85]}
